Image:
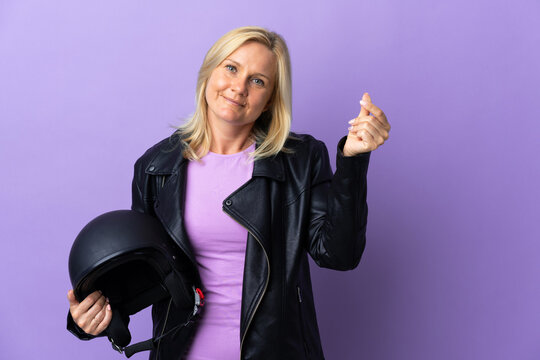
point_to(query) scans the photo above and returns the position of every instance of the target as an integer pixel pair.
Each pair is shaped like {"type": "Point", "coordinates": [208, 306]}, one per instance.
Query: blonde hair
{"type": "Point", "coordinates": [272, 128]}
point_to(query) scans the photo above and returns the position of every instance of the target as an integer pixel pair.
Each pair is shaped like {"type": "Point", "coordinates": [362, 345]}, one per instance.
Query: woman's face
{"type": "Point", "coordinates": [239, 88]}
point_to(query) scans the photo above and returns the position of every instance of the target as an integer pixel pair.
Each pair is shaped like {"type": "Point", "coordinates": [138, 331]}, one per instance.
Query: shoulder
{"type": "Point", "coordinates": [308, 158]}
{"type": "Point", "coordinates": [163, 156]}
{"type": "Point", "coordinates": [306, 150]}
{"type": "Point", "coordinates": [305, 145]}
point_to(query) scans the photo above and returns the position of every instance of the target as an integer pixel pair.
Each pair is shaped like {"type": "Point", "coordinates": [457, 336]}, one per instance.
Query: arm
{"type": "Point", "coordinates": [339, 210]}
{"type": "Point", "coordinates": [338, 214]}
{"type": "Point", "coordinates": [137, 186]}
{"type": "Point", "coordinates": [138, 204]}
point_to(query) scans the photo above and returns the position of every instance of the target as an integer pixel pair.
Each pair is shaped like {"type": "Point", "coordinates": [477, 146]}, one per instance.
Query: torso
{"type": "Point", "coordinates": [219, 245]}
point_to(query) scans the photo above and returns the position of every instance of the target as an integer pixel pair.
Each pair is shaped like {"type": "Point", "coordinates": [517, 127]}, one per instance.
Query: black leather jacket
{"type": "Point", "coordinates": [291, 206]}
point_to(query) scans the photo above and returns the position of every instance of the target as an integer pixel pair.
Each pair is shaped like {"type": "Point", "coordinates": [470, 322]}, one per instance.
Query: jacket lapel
{"type": "Point", "coordinates": [169, 205]}
{"type": "Point", "coordinates": [169, 210]}
{"type": "Point", "coordinates": [251, 206]}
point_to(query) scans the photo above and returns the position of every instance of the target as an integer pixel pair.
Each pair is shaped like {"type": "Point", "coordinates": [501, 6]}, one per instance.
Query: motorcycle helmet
{"type": "Point", "coordinates": [131, 259]}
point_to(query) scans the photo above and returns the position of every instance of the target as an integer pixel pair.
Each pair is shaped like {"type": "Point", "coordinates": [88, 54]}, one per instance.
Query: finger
{"type": "Point", "coordinates": [381, 129]}
{"type": "Point", "coordinates": [368, 97]}
{"type": "Point", "coordinates": [371, 108]}
{"type": "Point", "coordinates": [89, 301]}
{"type": "Point", "coordinates": [364, 144]}
{"type": "Point", "coordinates": [363, 110]}
{"type": "Point", "coordinates": [84, 315]}
{"type": "Point", "coordinates": [370, 118]}
{"type": "Point", "coordinates": [376, 112]}
{"type": "Point", "coordinates": [97, 307]}
{"type": "Point", "coordinates": [382, 125]}
{"type": "Point", "coordinates": [95, 322]}
{"type": "Point", "coordinates": [374, 133]}
{"type": "Point", "coordinates": [374, 128]}
{"type": "Point", "coordinates": [89, 320]}
{"type": "Point", "coordinates": [101, 314]}
{"type": "Point", "coordinates": [71, 298]}
{"type": "Point", "coordinates": [106, 320]}
{"type": "Point", "coordinates": [365, 135]}
{"type": "Point", "coordinates": [90, 326]}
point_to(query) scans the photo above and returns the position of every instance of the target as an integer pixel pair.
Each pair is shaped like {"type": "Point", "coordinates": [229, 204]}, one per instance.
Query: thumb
{"type": "Point", "coordinates": [365, 102]}
{"type": "Point", "coordinates": [71, 298]}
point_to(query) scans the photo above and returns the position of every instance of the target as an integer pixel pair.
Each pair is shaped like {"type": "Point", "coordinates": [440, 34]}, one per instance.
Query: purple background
{"type": "Point", "coordinates": [451, 269]}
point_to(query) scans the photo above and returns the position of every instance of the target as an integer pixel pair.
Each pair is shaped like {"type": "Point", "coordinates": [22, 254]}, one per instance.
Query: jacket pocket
{"type": "Point", "coordinates": [302, 321]}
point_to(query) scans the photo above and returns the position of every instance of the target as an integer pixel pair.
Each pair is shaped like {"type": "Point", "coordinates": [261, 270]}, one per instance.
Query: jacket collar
{"type": "Point", "coordinates": [169, 160]}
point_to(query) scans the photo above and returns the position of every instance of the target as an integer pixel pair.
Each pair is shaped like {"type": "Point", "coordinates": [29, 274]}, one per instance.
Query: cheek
{"type": "Point", "coordinates": [217, 83]}
{"type": "Point", "coordinates": [212, 91]}
{"type": "Point", "coordinates": [262, 100]}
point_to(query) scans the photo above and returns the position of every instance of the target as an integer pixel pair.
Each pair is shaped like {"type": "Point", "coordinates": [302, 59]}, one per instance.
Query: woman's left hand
{"type": "Point", "coordinates": [368, 130]}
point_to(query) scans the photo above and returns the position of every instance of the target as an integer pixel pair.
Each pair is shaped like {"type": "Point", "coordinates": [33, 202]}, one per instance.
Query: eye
{"type": "Point", "coordinates": [258, 81]}
{"type": "Point", "coordinates": [231, 68]}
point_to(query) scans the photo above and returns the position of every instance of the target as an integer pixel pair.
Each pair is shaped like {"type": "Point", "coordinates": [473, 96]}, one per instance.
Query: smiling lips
{"type": "Point", "coordinates": [233, 102]}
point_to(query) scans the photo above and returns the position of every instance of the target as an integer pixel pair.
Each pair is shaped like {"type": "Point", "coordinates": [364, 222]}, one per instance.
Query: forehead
{"type": "Point", "coordinates": [255, 57]}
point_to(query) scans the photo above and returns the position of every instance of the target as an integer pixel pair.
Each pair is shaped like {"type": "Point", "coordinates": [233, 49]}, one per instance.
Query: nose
{"type": "Point", "coordinates": [239, 85]}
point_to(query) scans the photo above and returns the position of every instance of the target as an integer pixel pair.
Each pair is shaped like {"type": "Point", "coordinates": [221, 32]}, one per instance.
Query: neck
{"type": "Point", "coordinates": [230, 139]}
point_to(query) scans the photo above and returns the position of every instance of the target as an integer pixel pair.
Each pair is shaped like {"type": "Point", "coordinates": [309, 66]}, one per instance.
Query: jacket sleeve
{"type": "Point", "coordinates": [338, 209]}
{"type": "Point", "coordinates": [138, 184]}
{"type": "Point", "coordinates": [142, 191]}
{"type": "Point", "coordinates": [77, 331]}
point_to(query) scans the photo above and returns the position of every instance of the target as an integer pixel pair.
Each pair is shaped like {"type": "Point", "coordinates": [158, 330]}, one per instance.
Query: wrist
{"type": "Point", "coordinates": [343, 151]}
{"type": "Point", "coordinates": [347, 153]}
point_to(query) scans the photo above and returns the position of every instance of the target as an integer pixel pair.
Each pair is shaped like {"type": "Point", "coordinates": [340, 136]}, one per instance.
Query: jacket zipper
{"type": "Point", "coordinates": [300, 310]}
{"type": "Point", "coordinates": [265, 285]}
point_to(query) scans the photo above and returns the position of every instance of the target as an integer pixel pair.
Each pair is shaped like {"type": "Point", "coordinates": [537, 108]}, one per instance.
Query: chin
{"type": "Point", "coordinates": [229, 115]}
{"type": "Point", "coordinates": [230, 118]}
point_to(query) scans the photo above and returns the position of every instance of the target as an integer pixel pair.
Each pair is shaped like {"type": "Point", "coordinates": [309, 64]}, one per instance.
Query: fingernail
{"type": "Point", "coordinates": [109, 307]}
{"type": "Point", "coordinates": [363, 103]}
{"type": "Point", "coordinates": [352, 121]}
{"type": "Point", "coordinates": [350, 128]}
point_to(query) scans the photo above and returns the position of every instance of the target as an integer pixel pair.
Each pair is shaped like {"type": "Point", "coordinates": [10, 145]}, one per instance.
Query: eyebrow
{"type": "Point", "coordinates": [237, 63]}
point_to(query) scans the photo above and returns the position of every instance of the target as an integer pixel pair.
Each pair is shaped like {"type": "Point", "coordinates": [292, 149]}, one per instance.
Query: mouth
{"type": "Point", "coordinates": [231, 101]}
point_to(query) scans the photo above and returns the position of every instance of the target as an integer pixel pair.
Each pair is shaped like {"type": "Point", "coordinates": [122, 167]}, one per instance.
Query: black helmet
{"type": "Point", "coordinates": [130, 257]}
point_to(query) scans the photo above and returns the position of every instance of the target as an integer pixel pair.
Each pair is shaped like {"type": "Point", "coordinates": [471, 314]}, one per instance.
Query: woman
{"type": "Point", "coordinates": [233, 172]}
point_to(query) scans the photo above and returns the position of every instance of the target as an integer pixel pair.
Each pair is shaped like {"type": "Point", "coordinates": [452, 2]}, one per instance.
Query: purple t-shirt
{"type": "Point", "coordinates": [219, 243]}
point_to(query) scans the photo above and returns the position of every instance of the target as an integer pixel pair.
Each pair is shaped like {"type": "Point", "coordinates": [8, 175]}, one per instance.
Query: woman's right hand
{"type": "Point", "coordinates": [93, 314]}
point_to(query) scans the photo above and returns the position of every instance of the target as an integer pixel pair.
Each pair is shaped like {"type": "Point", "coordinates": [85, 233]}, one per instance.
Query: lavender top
{"type": "Point", "coordinates": [219, 244]}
